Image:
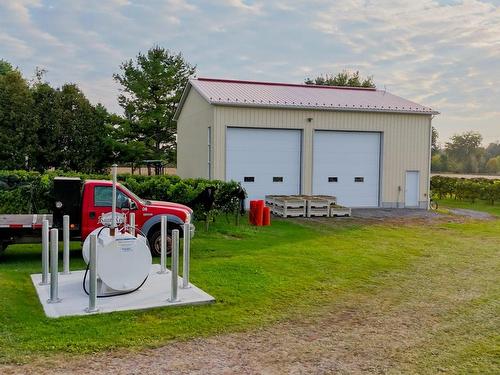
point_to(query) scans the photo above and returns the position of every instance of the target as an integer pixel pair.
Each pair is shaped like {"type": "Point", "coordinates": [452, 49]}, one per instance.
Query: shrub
{"type": "Point", "coordinates": [491, 192]}
{"type": "Point", "coordinates": [443, 187]}
{"type": "Point", "coordinates": [466, 189]}
{"type": "Point", "coordinates": [31, 192]}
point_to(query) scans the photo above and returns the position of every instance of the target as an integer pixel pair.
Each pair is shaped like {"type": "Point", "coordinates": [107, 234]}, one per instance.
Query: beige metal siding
{"type": "Point", "coordinates": [192, 136]}
{"type": "Point", "coordinates": [405, 141]}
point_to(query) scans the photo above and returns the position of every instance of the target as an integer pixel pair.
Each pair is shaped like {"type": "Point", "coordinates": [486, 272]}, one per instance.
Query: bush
{"type": "Point", "coordinates": [466, 189]}
{"type": "Point", "coordinates": [31, 192]}
{"type": "Point", "coordinates": [443, 187]}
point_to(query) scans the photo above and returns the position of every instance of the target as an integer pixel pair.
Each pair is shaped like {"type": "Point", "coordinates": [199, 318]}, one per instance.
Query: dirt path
{"type": "Point", "coordinates": [349, 340]}
{"type": "Point", "coordinates": [471, 214]}
{"type": "Point", "coordinates": [385, 329]}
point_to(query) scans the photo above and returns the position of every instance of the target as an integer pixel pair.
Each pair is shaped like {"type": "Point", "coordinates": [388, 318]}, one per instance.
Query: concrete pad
{"type": "Point", "coordinates": [154, 293]}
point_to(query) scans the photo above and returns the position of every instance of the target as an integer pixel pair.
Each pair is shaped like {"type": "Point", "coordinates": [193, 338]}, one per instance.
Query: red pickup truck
{"type": "Point", "coordinates": [87, 203]}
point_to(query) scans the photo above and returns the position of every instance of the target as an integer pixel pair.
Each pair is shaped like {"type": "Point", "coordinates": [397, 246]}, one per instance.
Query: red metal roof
{"type": "Point", "coordinates": [287, 95]}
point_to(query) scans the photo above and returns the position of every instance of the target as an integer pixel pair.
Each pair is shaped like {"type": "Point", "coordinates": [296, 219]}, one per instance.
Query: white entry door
{"type": "Point", "coordinates": [412, 189]}
{"type": "Point", "coordinates": [347, 165]}
{"type": "Point", "coordinates": [264, 161]}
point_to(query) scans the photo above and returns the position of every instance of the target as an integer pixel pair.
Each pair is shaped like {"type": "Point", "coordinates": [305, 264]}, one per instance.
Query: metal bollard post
{"type": "Point", "coordinates": [132, 224]}
{"type": "Point", "coordinates": [45, 252]}
{"type": "Point", "coordinates": [66, 245]}
{"type": "Point", "coordinates": [92, 275]}
{"type": "Point", "coordinates": [163, 238]}
{"type": "Point", "coordinates": [54, 272]}
{"type": "Point", "coordinates": [186, 255]}
{"type": "Point", "coordinates": [113, 200]}
{"type": "Point", "coordinates": [175, 265]}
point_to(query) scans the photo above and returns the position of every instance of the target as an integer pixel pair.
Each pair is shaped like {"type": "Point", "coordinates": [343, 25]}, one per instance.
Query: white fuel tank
{"type": "Point", "coordinates": [123, 261]}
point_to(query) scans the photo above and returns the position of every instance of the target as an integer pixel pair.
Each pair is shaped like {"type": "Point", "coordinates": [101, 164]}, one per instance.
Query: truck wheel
{"type": "Point", "coordinates": [155, 243]}
{"type": "Point", "coordinates": [3, 246]}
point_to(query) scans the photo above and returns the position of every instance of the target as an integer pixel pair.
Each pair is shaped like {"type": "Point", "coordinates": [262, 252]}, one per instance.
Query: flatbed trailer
{"type": "Point", "coordinates": [21, 228]}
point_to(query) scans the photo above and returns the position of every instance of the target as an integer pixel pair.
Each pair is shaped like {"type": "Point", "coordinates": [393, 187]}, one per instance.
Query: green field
{"type": "Point", "coordinates": [287, 271]}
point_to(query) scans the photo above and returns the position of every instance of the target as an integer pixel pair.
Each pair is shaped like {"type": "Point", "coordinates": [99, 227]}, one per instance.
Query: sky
{"type": "Point", "coordinates": [442, 54]}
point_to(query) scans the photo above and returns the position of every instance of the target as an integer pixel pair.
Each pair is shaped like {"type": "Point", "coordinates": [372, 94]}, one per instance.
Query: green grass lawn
{"type": "Point", "coordinates": [262, 275]}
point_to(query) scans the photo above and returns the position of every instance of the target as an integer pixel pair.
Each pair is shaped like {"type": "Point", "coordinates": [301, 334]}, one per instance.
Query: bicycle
{"type": "Point", "coordinates": [433, 205]}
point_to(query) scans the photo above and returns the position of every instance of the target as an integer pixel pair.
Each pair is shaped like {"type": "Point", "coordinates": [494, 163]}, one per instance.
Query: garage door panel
{"type": "Point", "coordinates": [353, 158]}
{"type": "Point", "coordinates": [264, 154]}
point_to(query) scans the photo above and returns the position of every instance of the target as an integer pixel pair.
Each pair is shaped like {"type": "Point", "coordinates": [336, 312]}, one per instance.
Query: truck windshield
{"type": "Point", "coordinates": [132, 195]}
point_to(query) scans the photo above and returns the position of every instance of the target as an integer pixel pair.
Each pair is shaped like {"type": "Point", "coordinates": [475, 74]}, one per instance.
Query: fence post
{"type": "Point", "coordinates": [186, 255]}
{"type": "Point", "coordinates": [45, 252]}
{"type": "Point", "coordinates": [54, 272]}
{"type": "Point", "coordinates": [66, 245]}
{"type": "Point", "coordinates": [175, 265]}
{"type": "Point", "coordinates": [132, 224]}
{"type": "Point", "coordinates": [92, 275]}
{"type": "Point", "coordinates": [163, 241]}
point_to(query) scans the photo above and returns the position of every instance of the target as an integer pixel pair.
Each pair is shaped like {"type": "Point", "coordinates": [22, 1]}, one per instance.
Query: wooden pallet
{"type": "Point", "coordinates": [289, 206]}
{"type": "Point", "coordinates": [336, 211]}
{"type": "Point", "coordinates": [318, 211]}
{"type": "Point", "coordinates": [332, 200]}
{"type": "Point", "coordinates": [269, 199]}
{"type": "Point", "coordinates": [289, 201]}
{"type": "Point", "coordinates": [305, 206]}
{"type": "Point", "coordinates": [317, 207]}
{"type": "Point", "coordinates": [289, 212]}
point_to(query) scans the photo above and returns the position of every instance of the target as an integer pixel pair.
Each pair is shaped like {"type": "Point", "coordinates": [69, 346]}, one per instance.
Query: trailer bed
{"type": "Point", "coordinates": [33, 221]}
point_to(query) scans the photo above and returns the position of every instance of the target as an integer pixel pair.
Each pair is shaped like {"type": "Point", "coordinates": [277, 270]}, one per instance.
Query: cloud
{"type": "Point", "coordinates": [14, 46]}
{"type": "Point", "coordinates": [445, 54]}
{"type": "Point", "coordinates": [181, 5]}
{"type": "Point", "coordinates": [241, 5]}
{"type": "Point", "coordinates": [20, 8]}
{"type": "Point", "coordinates": [430, 51]}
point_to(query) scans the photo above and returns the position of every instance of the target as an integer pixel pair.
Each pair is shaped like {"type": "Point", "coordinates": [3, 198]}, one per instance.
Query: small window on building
{"type": "Point", "coordinates": [249, 179]}
{"type": "Point", "coordinates": [333, 179]}
{"type": "Point", "coordinates": [277, 179]}
{"type": "Point", "coordinates": [359, 179]}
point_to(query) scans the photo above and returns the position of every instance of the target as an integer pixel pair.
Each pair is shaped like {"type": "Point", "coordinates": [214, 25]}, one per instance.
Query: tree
{"type": "Point", "coordinates": [435, 146]}
{"type": "Point", "coordinates": [124, 148]}
{"type": "Point", "coordinates": [492, 166]}
{"type": "Point", "coordinates": [493, 150]}
{"type": "Point", "coordinates": [151, 90]}
{"type": "Point", "coordinates": [5, 67]}
{"type": "Point", "coordinates": [83, 140]}
{"type": "Point", "coordinates": [72, 134]}
{"type": "Point", "coordinates": [345, 78]}
{"type": "Point", "coordinates": [42, 127]}
{"type": "Point", "coordinates": [47, 109]}
{"type": "Point", "coordinates": [17, 124]}
{"type": "Point", "coordinates": [465, 150]}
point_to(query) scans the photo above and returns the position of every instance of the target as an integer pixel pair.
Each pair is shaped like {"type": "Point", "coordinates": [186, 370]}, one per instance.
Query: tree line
{"type": "Point", "coordinates": [464, 153]}
{"type": "Point", "coordinates": [44, 127]}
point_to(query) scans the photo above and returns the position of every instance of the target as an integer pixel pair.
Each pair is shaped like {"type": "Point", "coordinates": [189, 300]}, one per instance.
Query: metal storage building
{"type": "Point", "coordinates": [366, 146]}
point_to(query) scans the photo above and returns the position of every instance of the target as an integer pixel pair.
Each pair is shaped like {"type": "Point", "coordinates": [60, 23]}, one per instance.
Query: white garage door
{"type": "Point", "coordinates": [265, 161]}
{"type": "Point", "coordinates": [346, 165]}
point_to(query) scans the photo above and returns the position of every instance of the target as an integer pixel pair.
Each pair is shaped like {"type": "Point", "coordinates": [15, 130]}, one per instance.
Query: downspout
{"type": "Point", "coordinates": [430, 164]}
